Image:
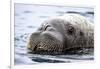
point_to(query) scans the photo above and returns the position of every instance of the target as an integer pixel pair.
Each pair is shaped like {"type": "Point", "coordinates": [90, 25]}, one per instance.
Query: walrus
{"type": "Point", "coordinates": [62, 35]}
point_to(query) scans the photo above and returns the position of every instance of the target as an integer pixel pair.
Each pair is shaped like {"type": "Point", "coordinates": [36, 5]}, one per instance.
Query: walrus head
{"type": "Point", "coordinates": [57, 35]}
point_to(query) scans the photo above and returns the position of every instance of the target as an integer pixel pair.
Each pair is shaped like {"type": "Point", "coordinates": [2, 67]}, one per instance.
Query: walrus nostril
{"type": "Point", "coordinates": [35, 48]}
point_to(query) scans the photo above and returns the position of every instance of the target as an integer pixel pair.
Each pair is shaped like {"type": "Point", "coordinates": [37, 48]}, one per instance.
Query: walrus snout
{"type": "Point", "coordinates": [44, 44]}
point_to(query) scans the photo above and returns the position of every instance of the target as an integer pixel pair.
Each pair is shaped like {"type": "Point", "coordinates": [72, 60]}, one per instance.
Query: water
{"type": "Point", "coordinates": [28, 18]}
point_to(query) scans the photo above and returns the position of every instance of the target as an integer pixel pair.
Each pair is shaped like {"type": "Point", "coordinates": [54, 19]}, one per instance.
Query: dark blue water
{"type": "Point", "coordinates": [28, 18]}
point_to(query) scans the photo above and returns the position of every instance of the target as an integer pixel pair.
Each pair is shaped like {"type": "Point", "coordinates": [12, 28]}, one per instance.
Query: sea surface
{"type": "Point", "coordinates": [28, 18]}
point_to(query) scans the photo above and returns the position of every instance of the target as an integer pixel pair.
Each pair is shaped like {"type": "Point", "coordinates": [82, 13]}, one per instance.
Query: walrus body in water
{"type": "Point", "coordinates": [66, 34]}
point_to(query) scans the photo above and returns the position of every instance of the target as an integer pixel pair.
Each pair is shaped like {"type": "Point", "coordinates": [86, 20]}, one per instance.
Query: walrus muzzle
{"type": "Point", "coordinates": [44, 44]}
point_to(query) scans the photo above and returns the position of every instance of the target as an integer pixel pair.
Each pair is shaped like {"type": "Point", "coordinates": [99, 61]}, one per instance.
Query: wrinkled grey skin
{"type": "Point", "coordinates": [62, 35]}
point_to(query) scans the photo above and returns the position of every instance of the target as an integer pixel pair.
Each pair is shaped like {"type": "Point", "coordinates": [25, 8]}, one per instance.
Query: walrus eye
{"type": "Point", "coordinates": [71, 30]}
{"type": "Point", "coordinates": [46, 27]}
